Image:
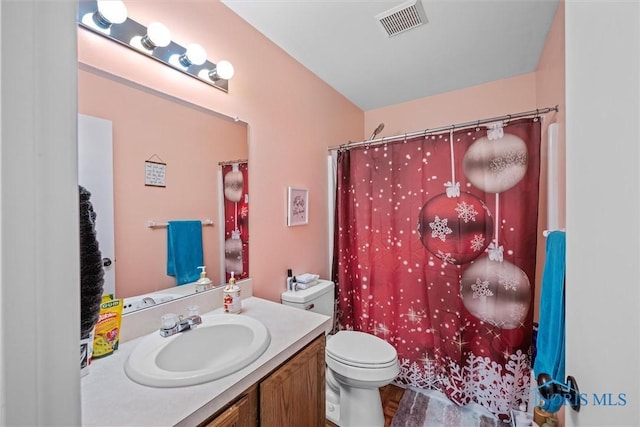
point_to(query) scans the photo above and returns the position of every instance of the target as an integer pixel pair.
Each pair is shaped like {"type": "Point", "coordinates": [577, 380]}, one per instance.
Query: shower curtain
{"type": "Point", "coordinates": [236, 219]}
{"type": "Point", "coordinates": [434, 251]}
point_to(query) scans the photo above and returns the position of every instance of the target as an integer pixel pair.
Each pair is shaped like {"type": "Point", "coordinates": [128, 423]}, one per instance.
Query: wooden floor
{"type": "Point", "coordinates": [390, 396]}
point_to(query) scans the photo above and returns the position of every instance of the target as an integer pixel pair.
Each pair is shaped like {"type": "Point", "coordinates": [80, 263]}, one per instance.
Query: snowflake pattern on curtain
{"type": "Point", "coordinates": [493, 385]}
{"type": "Point", "coordinates": [444, 276]}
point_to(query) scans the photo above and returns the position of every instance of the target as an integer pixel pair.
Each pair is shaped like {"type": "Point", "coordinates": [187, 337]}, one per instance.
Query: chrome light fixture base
{"type": "Point", "coordinates": [131, 34]}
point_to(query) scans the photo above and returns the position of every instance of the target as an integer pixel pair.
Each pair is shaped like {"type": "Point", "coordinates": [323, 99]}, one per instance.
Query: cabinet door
{"type": "Point", "coordinates": [294, 395]}
{"type": "Point", "coordinates": [242, 413]}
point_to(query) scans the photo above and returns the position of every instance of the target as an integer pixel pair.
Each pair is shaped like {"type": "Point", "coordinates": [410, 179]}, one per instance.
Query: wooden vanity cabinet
{"type": "Point", "coordinates": [243, 412]}
{"type": "Point", "coordinates": [293, 395]}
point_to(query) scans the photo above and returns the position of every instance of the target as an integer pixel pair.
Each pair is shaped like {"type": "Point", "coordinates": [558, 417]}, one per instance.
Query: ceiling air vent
{"type": "Point", "coordinates": [403, 17]}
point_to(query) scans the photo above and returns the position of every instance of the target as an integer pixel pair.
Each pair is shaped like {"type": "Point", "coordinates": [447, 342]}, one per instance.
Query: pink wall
{"type": "Point", "coordinates": [477, 102]}
{"type": "Point", "coordinates": [191, 142]}
{"type": "Point", "coordinates": [293, 117]}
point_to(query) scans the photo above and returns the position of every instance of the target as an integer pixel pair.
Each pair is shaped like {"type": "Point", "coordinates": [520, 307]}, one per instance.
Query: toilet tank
{"type": "Point", "coordinates": [318, 298]}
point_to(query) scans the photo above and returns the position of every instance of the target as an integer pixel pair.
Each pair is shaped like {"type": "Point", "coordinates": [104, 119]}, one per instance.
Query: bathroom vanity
{"type": "Point", "coordinates": [283, 387]}
{"type": "Point", "coordinates": [292, 395]}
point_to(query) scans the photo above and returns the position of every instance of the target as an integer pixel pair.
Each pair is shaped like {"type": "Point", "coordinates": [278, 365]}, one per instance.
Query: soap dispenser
{"type": "Point", "coordinates": [232, 302]}
{"type": "Point", "coordinates": [203, 283]}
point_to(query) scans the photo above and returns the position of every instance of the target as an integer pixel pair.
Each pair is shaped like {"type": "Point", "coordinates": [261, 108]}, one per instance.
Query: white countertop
{"type": "Point", "coordinates": [110, 398]}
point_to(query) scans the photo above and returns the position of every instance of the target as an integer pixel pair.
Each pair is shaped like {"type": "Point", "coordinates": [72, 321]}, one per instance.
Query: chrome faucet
{"type": "Point", "coordinates": [172, 324]}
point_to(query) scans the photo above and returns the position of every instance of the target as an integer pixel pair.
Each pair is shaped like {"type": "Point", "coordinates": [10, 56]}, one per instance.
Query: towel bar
{"type": "Point", "coordinates": [153, 224]}
{"type": "Point", "coordinates": [546, 233]}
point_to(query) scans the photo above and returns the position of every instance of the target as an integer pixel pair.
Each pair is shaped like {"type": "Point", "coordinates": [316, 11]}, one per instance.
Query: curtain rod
{"type": "Point", "coordinates": [230, 162]}
{"type": "Point", "coordinates": [425, 132]}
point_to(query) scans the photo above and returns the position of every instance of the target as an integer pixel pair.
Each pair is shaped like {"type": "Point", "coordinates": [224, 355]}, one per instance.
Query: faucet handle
{"type": "Point", "coordinates": [168, 321]}
{"type": "Point", "coordinates": [194, 315]}
{"type": "Point", "coordinates": [193, 310]}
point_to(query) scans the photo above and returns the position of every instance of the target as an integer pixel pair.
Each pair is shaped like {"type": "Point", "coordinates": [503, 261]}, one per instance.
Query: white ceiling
{"type": "Point", "coordinates": [464, 43]}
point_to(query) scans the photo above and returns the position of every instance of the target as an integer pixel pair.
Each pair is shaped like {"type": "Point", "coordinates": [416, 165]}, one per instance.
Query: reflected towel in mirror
{"type": "Point", "coordinates": [184, 250]}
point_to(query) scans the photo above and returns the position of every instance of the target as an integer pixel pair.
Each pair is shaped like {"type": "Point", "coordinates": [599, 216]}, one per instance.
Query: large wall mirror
{"type": "Point", "coordinates": [190, 146]}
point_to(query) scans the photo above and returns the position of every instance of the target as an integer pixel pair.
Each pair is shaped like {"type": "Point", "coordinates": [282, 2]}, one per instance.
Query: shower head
{"type": "Point", "coordinates": [377, 131]}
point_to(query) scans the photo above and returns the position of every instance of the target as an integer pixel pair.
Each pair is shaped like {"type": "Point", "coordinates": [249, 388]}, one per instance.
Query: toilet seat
{"type": "Point", "coordinates": [361, 350]}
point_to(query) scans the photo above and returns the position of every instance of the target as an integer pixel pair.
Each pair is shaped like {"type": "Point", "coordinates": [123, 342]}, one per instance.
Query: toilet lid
{"type": "Point", "coordinates": [360, 349]}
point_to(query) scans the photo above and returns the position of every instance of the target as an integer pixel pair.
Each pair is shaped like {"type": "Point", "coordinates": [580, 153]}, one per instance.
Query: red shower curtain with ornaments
{"type": "Point", "coordinates": [435, 248]}
{"type": "Point", "coordinates": [236, 219]}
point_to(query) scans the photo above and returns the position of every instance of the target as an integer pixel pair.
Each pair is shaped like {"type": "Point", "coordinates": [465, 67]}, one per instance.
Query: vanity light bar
{"type": "Point", "coordinates": [136, 36]}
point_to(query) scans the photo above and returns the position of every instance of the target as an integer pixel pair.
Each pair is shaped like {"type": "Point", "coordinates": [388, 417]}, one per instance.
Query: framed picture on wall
{"type": "Point", "coordinates": [297, 206]}
{"type": "Point", "coordinates": [155, 174]}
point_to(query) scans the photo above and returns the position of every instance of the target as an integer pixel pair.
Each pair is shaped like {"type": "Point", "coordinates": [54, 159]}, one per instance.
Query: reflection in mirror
{"type": "Point", "coordinates": [185, 145]}
{"type": "Point", "coordinates": [236, 215]}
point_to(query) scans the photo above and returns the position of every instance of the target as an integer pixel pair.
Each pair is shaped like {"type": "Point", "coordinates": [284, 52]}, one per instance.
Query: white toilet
{"type": "Point", "coordinates": [357, 363]}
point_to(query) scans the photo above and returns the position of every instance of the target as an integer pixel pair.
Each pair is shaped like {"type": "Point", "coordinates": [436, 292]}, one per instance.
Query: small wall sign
{"type": "Point", "coordinates": [154, 173]}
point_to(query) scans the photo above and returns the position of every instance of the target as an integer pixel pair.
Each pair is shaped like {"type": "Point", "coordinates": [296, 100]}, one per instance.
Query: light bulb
{"type": "Point", "coordinates": [110, 12]}
{"type": "Point", "coordinates": [195, 55]}
{"type": "Point", "coordinates": [157, 36]}
{"type": "Point", "coordinates": [225, 69]}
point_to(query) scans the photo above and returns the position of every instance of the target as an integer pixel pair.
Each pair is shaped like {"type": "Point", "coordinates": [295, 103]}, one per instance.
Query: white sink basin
{"type": "Point", "coordinates": [221, 345]}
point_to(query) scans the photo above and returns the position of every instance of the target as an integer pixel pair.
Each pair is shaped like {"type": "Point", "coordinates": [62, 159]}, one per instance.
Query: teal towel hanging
{"type": "Point", "coordinates": [184, 250]}
{"type": "Point", "coordinates": [551, 330]}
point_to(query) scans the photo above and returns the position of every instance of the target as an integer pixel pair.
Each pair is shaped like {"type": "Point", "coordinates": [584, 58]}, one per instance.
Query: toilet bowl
{"type": "Point", "coordinates": [357, 363]}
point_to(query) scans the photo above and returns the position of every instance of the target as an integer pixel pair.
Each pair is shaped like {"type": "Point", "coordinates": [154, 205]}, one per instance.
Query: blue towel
{"type": "Point", "coordinates": [184, 250]}
{"type": "Point", "coordinates": [551, 332]}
